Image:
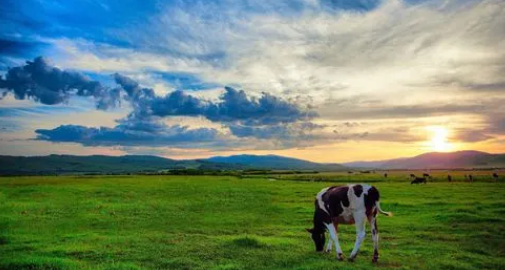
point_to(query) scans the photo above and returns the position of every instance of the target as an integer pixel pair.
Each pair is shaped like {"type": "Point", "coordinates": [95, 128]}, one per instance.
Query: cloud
{"type": "Point", "coordinates": [267, 110]}
{"type": "Point", "coordinates": [472, 135]}
{"type": "Point", "coordinates": [233, 105]}
{"type": "Point", "coordinates": [285, 132]}
{"type": "Point", "coordinates": [357, 108]}
{"type": "Point", "coordinates": [40, 81]}
{"type": "Point", "coordinates": [49, 85]}
{"type": "Point", "coordinates": [129, 134]}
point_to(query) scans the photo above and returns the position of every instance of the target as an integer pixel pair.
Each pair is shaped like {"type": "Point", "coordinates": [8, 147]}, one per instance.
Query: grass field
{"type": "Point", "coordinates": [219, 222]}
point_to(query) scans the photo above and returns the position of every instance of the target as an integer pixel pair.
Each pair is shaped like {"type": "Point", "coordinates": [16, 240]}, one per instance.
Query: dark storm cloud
{"type": "Point", "coordinates": [128, 134]}
{"type": "Point", "coordinates": [49, 85]}
{"type": "Point", "coordinates": [267, 110]}
{"type": "Point", "coordinates": [133, 89]}
{"type": "Point", "coordinates": [262, 117]}
{"type": "Point", "coordinates": [233, 106]}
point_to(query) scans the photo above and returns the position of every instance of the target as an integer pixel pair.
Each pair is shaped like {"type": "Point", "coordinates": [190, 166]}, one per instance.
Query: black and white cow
{"type": "Point", "coordinates": [351, 204]}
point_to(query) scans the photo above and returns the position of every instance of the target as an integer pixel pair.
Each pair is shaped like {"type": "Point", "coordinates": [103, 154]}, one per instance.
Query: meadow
{"type": "Point", "coordinates": [227, 222]}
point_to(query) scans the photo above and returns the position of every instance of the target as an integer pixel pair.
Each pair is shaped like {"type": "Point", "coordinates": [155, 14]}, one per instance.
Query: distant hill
{"type": "Point", "coordinates": [69, 164]}
{"type": "Point", "coordinates": [436, 160]}
{"type": "Point", "coordinates": [274, 162]}
{"type": "Point", "coordinates": [62, 164]}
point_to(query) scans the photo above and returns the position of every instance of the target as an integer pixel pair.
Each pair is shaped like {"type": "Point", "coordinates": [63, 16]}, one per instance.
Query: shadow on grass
{"type": "Point", "coordinates": [248, 242]}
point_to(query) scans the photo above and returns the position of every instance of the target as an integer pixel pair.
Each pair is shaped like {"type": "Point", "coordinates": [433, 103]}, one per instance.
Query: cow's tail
{"type": "Point", "coordinates": [389, 214]}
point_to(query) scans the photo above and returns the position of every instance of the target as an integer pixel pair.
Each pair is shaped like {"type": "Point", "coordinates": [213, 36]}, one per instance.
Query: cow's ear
{"type": "Point", "coordinates": [309, 230]}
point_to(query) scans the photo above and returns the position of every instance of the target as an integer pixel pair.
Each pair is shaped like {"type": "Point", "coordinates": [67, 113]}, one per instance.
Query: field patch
{"type": "Point", "coordinates": [224, 222]}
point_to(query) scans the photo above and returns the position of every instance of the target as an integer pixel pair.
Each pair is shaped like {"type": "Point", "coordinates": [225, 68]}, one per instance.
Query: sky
{"type": "Point", "coordinates": [322, 80]}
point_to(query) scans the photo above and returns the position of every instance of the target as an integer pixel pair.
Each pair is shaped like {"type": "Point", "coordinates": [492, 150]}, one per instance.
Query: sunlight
{"type": "Point", "coordinates": [439, 137]}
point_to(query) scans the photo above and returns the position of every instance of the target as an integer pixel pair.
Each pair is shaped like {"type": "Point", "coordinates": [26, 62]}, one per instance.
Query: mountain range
{"type": "Point", "coordinates": [437, 160]}
{"type": "Point", "coordinates": [69, 164]}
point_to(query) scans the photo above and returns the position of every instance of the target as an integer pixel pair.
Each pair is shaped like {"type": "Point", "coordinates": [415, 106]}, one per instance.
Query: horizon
{"type": "Point", "coordinates": [225, 156]}
{"type": "Point", "coordinates": [361, 80]}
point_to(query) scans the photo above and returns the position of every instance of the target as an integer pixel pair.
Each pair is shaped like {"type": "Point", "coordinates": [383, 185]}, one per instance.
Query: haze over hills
{"type": "Point", "coordinates": [437, 160]}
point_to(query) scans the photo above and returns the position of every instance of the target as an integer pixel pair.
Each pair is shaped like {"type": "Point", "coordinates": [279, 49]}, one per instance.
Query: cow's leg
{"type": "Point", "coordinates": [328, 246]}
{"type": "Point", "coordinates": [359, 219]}
{"type": "Point", "coordinates": [375, 237]}
{"type": "Point", "coordinates": [334, 236]}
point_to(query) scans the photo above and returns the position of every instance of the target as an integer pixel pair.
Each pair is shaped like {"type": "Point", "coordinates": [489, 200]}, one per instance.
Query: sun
{"type": "Point", "coordinates": [439, 139]}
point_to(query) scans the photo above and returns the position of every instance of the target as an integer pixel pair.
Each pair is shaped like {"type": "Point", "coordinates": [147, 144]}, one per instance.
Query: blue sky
{"type": "Point", "coordinates": [325, 80]}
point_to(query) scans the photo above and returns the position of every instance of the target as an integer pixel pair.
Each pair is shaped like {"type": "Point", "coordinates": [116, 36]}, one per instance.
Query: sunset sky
{"type": "Point", "coordinates": [322, 80]}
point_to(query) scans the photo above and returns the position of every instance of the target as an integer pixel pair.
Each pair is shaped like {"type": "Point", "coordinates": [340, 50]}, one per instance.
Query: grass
{"type": "Point", "coordinates": [219, 222]}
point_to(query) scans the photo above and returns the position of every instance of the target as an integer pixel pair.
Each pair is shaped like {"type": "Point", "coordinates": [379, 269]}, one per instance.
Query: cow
{"type": "Point", "coordinates": [449, 178]}
{"type": "Point", "coordinates": [412, 175]}
{"type": "Point", "coordinates": [350, 204]}
{"type": "Point", "coordinates": [495, 176]}
{"type": "Point", "coordinates": [417, 180]}
{"type": "Point", "coordinates": [386, 175]}
{"type": "Point", "coordinates": [470, 178]}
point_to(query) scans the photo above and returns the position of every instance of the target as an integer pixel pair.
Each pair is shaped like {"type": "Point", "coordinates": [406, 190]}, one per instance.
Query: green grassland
{"type": "Point", "coordinates": [225, 222]}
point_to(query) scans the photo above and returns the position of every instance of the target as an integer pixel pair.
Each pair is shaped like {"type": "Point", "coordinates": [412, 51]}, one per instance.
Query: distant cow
{"type": "Point", "coordinates": [449, 178]}
{"type": "Point", "coordinates": [425, 175]}
{"type": "Point", "coordinates": [470, 177]}
{"type": "Point", "coordinates": [351, 204]}
{"type": "Point", "coordinates": [385, 175]}
{"type": "Point", "coordinates": [418, 180]}
{"type": "Point", "coordinates": [495, 176]}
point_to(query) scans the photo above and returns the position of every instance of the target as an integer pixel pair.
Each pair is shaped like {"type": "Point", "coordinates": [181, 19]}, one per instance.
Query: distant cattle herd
{"type": "Point", "coordinates": [426, 176]}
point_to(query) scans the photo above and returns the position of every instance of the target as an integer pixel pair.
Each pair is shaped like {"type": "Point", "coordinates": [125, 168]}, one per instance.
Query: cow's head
{"type": "Point", "coordinates": [318, 238]}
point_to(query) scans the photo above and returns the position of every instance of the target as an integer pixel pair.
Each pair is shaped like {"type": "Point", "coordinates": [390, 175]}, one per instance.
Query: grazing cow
{"type": "Point", "coordinates": [385, 175]}
{"type": "Point", "coordinates": [495, 176]}
{"type": "Point", "coordinates": [418, 180]}
{"type": "Point", "coordinates": [351, 204]}
{"type": "Point", "coordinates": [449, 178]}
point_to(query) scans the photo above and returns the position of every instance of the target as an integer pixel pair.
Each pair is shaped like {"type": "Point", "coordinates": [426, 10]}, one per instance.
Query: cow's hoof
{"type": "Point", "coordinates": [375, 260]}
{"type": "Point", "coordinates": [340, 257]}
{"type": "Point", "coordinates": [327, 251]}
{"type": "Point", "coordinates": [351, 259]}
